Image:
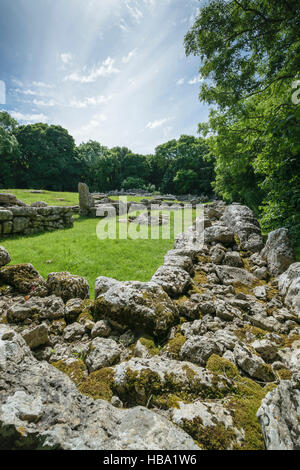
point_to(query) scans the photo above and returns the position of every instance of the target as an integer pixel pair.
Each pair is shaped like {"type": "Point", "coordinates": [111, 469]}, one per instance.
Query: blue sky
{"type": "Point", "coordinates": [110, 70]}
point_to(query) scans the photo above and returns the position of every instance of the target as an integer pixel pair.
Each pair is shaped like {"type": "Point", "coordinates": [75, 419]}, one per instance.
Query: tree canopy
{"type": "Point", "coordinates": [250, 57]}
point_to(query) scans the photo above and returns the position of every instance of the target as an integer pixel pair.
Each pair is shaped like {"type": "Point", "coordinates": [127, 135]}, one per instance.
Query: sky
{"type": "Point", "coordinates": [114, 71]}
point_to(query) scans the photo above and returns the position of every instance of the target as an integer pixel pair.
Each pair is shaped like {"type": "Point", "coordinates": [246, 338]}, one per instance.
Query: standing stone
{"type": "Point", "coordinates": [86, 201]}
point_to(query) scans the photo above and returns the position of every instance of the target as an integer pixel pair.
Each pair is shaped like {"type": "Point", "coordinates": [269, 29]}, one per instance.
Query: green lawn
{"type": "Point", "coordinates": [79, 251]}
{"type": "Point", "coordinates": [50, 197]}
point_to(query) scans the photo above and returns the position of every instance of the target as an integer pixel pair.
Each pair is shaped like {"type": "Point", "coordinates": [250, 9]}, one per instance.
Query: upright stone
{"type": "Point", "coordinates": [86, 201]}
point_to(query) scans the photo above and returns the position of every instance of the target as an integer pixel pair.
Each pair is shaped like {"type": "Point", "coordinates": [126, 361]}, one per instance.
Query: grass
{"type": "Point", "coordinates": [50, 197]}
{"type": "Point", "coordinates": [79, 251]}
{"type": "Point", "coordinates": [298, 253]}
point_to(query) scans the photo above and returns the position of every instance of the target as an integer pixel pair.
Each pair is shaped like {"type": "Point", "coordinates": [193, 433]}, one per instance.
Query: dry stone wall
{"type": "Point", "coordinates": [23, 220]}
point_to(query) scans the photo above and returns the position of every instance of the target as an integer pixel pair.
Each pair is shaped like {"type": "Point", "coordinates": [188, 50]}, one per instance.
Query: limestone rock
{"type": "Point", "coordinates": [241, 221]}
{"type": "Point", "coordinates": [279, 416]}
{"type": "Point", "coordinates": [138, 305]}
{"type": "Point", "coordinates": [173, 279]}
{"type": "Point", "coordinates": [51, 308]}
{"type": "Point", "coordinates": [23, 277]}
{"type": "Point", "coordinates": [86, 201]}
{"type": "Point", "coordinates": [229, 276]}
{"type": "Point", "coordinates": [4, 257]}
{"type": "Point", "coordinates": [289, 286]}
{"type": "Point", "coordinates": [278, 251]}
{"type": "Point", "coordinates": [232, 258]}
{"type": "Point", "coordinates": [104, 352]}
{"type": "Point", "coordinates": [74, 332]}
{"type": "Point", "coordinates": [102, 329]}
{"type": "Point", "coordinates": [253, 365]}
{"type": "Point", "coordinates": [67, 286]}
{"type": "Point", "coordinates": [103, 284]}
{"type": "Point", "coordinates": [210, 417]}
{"type": "Point", "coordinates": [33, 396]}
{"type": "Point", "coordinates": [37, 336]}
{"type": "Point", "coordinates": [218, 234]}
{"type": "Point", "coordinates": [138, 378]}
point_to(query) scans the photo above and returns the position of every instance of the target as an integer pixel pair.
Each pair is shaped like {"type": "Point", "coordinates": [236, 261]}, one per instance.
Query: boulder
{"type": "Point", "coordinates": [103, 284]}
{"type": "Point", "coordinates": [74, 332]}
{"type": "Point", "coordinates": [37, 336]}
{"type": "Point", "coordinates": [138, 305]}
{"type": "Point", "coordinates": [139, 378]}
{"type": "Point", "coordinates": [219, 234]}
{"type": "Point", "coordinates": [33, 406]}
{"type": "Point", "coordinates": [102, 329]}
{"type": "Point", "coordinates": [278, 252]}
{"type": "Point", "coordinates": [232, 258]}
{"type": "Point", "coordinates": [22, 277]}
{"type": "Point", "coordinates": [252, 364]}
{"type": "Point", "coordinates": [7, 199]}
{"type": "Point", "coordinates": [289, 286]}
{"type": "Point", "coordinates": [39, 204]}
{"type": "Point", "coordinates": [4, 257]}
{"type": "Point", "coordinates": [173, 279]}
{"type": "Point", "coordinates": [230, 276]}
{"type": "Point", "coordinates": [51, 308]}
{"type": "Point", "coordinates": [67, 286]}
{"type": "Point", "coordinates": [203, 418]}
{"type": "Point", "coordinates": [279, 416]}
{"type": "Point", "coordinates": [240, 219]}
{"type": "Point", "coordinates": [103, 353]}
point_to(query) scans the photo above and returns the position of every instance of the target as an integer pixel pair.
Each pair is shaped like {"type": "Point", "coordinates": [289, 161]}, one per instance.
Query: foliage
{"type": "Point", "coordinates": [250, 52]}
{"type": "Point", "coordinates": [9, 149]}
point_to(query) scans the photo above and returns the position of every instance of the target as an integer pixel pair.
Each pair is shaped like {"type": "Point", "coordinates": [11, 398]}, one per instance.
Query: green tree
{"type": "Point", "coordinates": [48, 158]}
{"type": "Point", "coordinates": [250, 55]}
{"type": "Point", "coordinates": [9, 151]}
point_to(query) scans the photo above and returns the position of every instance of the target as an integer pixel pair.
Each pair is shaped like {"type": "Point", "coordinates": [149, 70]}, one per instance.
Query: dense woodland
{"type": "Point", "coordinates": [248, 151]}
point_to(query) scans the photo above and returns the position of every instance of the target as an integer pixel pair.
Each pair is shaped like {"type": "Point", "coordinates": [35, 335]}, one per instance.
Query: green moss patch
{"type": "Point", "coordinates": [99, 384]}
{"type": "Point", "coordinates": [76, 370]}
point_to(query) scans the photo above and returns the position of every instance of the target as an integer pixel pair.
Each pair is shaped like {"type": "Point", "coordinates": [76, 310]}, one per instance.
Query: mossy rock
{"type": "Point", "coordinates": [149, 343]}
{"type": "Point", "coordinates": [75, 370]}
{"type": "Point", "coordinates": [222, 366]}
{"type": "Point", "coordinates": [284, 374]}
{"type": "Point", "coordinates": [99, 384]}
{"type": "Point", "coordinates": [173, 346]}
{"type": "Point", "coordinates": [258, 333]}
{"type": "Point", "coordinates": [216, 437]}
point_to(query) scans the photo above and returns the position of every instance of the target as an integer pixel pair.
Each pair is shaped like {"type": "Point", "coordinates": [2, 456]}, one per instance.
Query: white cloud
{"type": "Point", "coordinates": [29, 92]}
{"type": "Point", "coordinates": [66, 58]}
{"type": "Point", "coordinates": [180, 82]}
{"type": "Point", "coordinates": [135, 12]}
{"type": "Point", "coordinates": [42, 84]}
{"type": "Point", "coordinates": [86, 131]}
{"type": "Point", "coordinates": [28, 117]}
{"type": "Point", "coordinates": [91, 101]}
{"type": "Point", "coordinates": [155, 124]}
{"type": "Point", "coordinates": [195, 80]}
{"type": "Point", "coordinates": [123, 26]}
{"type": "Point", "coordinates": [49, 103]}
{"type": "Point", "coordinates": [130, 56]}
{"type": "Point", "coordinates": [17, 82]}
{"type": "Point", "coordinates": [105, 69]}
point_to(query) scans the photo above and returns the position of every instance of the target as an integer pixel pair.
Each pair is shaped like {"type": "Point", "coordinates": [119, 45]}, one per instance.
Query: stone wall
{"type": "Point", "coordinates": [29, 220]}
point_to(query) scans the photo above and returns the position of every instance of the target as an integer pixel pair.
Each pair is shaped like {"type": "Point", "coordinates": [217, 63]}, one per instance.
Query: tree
{"type": "Point", "coordinates": [187, 154]}
{"type": "Point", "coordinates": [48, 158]}
{"type": "Point", "coordinates": [9, 150]}
{"type": "Point", "coordinates": [250, 53]}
